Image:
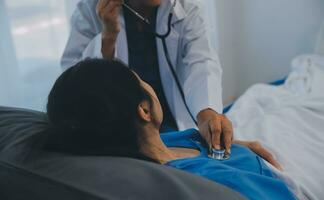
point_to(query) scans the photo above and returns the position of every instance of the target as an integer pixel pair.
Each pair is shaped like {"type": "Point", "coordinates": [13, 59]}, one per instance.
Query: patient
{"type": "Point", "coordinates": [102, 108]}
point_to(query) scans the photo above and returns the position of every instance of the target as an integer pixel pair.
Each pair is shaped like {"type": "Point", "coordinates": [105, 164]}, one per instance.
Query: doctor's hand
{"type": "Point", "coordinates": [108, 11]}
{"type": "Point", "coordinates": [216, 129]}
{"type": "Point", "coordinates": [257, 148]}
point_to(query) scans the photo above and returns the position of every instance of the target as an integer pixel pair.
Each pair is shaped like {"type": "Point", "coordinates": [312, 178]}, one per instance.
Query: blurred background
{"type": "Point", "coordinates": [32, 38]}
{"type": "Point", "coordinates": [256, 41]}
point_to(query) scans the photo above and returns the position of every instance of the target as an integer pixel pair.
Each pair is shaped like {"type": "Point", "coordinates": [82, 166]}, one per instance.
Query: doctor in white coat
{"type": "Point", "coordinates": [101, 29]}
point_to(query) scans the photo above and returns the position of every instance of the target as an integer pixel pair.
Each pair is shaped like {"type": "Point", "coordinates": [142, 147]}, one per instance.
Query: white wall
{"type": "Point", "coordinates": [226, 21]}
{"type": "Point", "coordinates": [70, 6]}
{"type": "Point", "coordinates": [320, 42]}
{"type": "Point", "coordinates": [258, 39]}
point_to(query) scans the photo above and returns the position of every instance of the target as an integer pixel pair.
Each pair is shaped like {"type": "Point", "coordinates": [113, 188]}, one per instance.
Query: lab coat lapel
{"type": "Point", "coordinates": [162, 27]}
{"type": "Point", "coordinates": [170, 89]}
{"type": "Point", "coordinates": [165, 73]}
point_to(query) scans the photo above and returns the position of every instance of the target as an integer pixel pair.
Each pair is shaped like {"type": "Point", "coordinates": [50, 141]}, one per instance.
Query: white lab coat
{"type": "Point", "coordinates": [195, 61]}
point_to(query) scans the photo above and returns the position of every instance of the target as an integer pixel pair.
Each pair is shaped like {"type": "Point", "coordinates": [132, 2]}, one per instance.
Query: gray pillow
{"type": "Point", "coordinates": [59, 176]}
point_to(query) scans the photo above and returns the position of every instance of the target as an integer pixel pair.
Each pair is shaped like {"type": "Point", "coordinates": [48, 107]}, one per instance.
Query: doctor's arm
{"type": "Point", "coordinates": [84, 28]}
{"type": "Point", "coordinates": [108, 12]}
{"type": "Point", "coordinates": [87, 36]}
{"type": "Point", "coordinates": [202, 79]}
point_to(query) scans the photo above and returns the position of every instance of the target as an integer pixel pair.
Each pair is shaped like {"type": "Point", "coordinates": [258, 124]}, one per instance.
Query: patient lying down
{"type": "Point", "coordinates": [102, 108]}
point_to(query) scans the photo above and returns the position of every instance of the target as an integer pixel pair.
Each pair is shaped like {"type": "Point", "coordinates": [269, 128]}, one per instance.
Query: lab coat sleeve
{"type": "Point", "coordinates": [202, 73]}
{"type": "Point", "coordinates": [93, 50]}
{"type": "Point", "coordinates": [85, 35]}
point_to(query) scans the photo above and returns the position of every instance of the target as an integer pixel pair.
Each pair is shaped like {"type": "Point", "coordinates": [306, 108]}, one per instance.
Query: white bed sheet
{"type": "Point", "coordinates": [289, 121]}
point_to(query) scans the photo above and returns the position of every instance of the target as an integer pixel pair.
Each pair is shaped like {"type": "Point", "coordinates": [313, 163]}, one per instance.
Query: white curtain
{"type": "Point", "coordinates": [8, 64]}
{"type": "Point", "coordinates": [32, 38]}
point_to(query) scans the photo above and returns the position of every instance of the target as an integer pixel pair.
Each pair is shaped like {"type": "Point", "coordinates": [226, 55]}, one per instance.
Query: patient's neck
{"type": "Point", "coordinates": [152, 146]}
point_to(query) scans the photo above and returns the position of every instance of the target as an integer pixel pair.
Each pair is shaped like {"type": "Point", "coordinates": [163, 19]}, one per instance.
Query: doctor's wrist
{"type": "Point", "coordinates": [108, 44]}
{"type": "Point", "coordinates": [110, 36]}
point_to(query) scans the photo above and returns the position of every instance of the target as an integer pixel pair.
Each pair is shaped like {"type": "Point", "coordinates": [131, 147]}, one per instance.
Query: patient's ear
{"type": "Point", "coordinates": [144, 111]}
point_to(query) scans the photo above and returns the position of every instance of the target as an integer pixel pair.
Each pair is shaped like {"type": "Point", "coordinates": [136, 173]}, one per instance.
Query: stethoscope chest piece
{"type": "Point", "coordinates": [219, 154]}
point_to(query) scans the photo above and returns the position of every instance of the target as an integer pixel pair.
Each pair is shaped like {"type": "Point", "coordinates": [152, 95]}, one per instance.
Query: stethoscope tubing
{"type": "Point", "coordinates": [163, 38]}
{"type": "Point", "coordinates": [216, 154]}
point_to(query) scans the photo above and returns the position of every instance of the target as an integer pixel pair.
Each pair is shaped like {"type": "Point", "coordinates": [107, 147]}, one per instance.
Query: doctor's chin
{"type": "Point", "coordinates": [161, 100]}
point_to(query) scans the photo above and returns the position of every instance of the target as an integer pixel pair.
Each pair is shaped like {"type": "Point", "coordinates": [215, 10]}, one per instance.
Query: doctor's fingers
{"type": "Point", "coordinates": [102, 4]}
{"type": "Point", "coordinates": [227, 133]}
{"type": "Point", "coordinates": [215, 130]}
{"type": "Point", "coordinates": [105, 3]}
{"type": "Point", "coordinates": [204, 130]}
{"type": "Point", "coordinates": [109, 5]}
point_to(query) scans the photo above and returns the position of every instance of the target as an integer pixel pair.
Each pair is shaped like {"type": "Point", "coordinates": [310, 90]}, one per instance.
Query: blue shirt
{"type": "Point", "coordinates": [244, 172]}
{"type": "Point", "coordinates": [144, 61]}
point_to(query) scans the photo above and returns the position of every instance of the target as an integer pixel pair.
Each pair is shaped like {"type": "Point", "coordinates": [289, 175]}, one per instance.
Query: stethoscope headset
{"type": "Point", "coordinates": [165, 49]}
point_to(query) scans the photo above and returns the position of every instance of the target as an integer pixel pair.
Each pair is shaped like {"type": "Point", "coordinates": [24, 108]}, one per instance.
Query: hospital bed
{"type": "Point", "coordinates": [287, 117]}
{"type": "Point", "coordinates": [24, 173]}
{"type": "Point", "coordinates": [278, 82]}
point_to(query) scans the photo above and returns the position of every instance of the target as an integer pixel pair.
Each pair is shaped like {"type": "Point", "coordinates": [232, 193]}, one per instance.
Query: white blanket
{"type": "Point", "coordinates": [289, 121]}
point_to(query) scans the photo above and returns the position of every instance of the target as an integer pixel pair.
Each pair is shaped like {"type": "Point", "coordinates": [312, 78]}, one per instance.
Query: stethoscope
{"type": "Point", "coordinates": [214, 153]}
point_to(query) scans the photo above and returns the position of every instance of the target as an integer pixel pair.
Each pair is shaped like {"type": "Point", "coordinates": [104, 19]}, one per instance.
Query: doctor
{"type": "Point", "coordinates": [104, 28]}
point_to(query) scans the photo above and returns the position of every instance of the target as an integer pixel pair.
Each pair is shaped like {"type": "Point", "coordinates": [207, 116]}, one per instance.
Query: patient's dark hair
{"type": "Point", "coordinates": [92, 109]}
